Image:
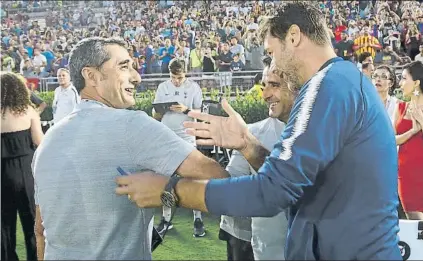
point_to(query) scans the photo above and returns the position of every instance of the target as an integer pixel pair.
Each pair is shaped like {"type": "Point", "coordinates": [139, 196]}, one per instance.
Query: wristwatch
{"type": "Point", "coordinates": [169, 198]}
{"type": "Point", "coordinates": [186, 111]}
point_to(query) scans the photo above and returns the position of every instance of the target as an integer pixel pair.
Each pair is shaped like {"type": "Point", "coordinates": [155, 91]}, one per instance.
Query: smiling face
{"type": "Point", "coordinates": [63, 77]}
{"type": "Point", "coordinates": [276, 94]}
{"type": "Point", "coordinates": [118, 79]}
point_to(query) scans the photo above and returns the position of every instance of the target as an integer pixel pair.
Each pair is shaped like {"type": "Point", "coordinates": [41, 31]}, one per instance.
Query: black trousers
{"type": "Point", "coordinates": [237, 249]}
{"type": "Point", "coordinates": [17, 197]}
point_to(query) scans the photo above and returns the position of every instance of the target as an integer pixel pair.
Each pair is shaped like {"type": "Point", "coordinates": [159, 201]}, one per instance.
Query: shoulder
{"type": "Point", "coordinates": [255, 127]}
{"type": "Point", "coordinates": [193, 84]}
{"type": "Point", "coordinates": [163, 84]}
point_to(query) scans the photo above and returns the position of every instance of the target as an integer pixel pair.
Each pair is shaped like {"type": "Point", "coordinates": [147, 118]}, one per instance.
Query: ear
{"type": "Point", "coordinates": [417, 84]}
{"type": "Point", "coordinates": [89, 75]}
{"type": "Point", "coordinates": [294, 35]}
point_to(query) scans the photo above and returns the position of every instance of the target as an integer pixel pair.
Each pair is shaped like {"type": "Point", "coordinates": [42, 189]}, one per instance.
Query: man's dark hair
{"type": "Point", "coordinates": [89, 52]}
{"type": "Point", "coordinates": [363, 56]}
{"type": "Point", "coordinates": [257, 78]}
{"type": "Point", "coordinates": [305, 15]}
{"type": "Point", "coordinates": [177, 66]}
{"type": "Point", "coordinates": [267, 60]}
{"type": "Point", "coordinates": [365, 65]}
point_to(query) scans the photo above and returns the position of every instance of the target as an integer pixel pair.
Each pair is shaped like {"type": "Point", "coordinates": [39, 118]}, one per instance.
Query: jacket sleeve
{"type": "Point", "coordinates": [313, 137]}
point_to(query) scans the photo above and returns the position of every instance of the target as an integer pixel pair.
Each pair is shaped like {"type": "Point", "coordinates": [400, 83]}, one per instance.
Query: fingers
{"type": "Point", "coordinates": [198, 133]}
{"type": "Point", "coordinates": [201, 116]}
{"type": "Point", "coordinates": [196, 125]}
{"type": "Point", "coordinates": [123, 180]}
{"type": "Point", "coordinates": [206, 142]}
{"type": "Point", "coordinates": [123, 190]}
{"type": "Point", "coordinates": [227, 108]}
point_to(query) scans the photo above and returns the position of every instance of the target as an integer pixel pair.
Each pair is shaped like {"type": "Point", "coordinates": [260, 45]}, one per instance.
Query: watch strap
{"type": "Point", "coordinates": [172, 183]}
{"type": "Point", "coordinates": [186, 111]}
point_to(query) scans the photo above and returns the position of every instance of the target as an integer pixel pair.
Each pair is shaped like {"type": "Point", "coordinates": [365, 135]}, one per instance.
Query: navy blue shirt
{"type": "Point", "coordinates": [335, 167]}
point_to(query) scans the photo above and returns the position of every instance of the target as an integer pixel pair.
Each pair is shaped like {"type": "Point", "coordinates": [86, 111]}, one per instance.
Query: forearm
{"type": "Point", "coordinates": [401, 139]}
{"type": "Point", "coordinates": [39, 234]}
{"type": "Point", "coordinates": [198, 166]}
{"type": "Point", "coordinates": [247, 196]}
{"type": "Point", "coordinates": [191, 194]}
{"type": "Point", "coordinates": [40, 246]}
{"type": "Point", "coordinates": [254, 152]}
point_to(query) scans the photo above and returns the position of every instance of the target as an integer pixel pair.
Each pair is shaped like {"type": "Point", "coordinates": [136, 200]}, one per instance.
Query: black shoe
{"type": "Point", "coordinates": [199, 228]}
{"type": "Point", "coordinates": [161, 228]}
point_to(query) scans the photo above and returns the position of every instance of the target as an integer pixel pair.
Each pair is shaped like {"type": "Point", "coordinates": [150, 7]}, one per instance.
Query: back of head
{"type": "Point", "coordinates": [363, 56]}
{"type": "Point", "coordinates": [89, 52]}
{"type": "Point", "coordinates": [15, 96]}
{"type": "Point", "coordinates": [305, 15]}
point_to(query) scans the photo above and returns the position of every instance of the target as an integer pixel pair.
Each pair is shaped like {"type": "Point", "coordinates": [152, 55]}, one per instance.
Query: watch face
{"type": "Point", "coordinates": [168, 199]}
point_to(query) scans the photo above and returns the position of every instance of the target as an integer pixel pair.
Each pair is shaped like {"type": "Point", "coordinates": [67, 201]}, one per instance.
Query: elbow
{"type": "Point", "coordinates": [275, 197]}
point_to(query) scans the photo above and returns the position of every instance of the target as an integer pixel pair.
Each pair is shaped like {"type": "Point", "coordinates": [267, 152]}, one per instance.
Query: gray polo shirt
{"type": "Point", "coordinates": [189, 94]}
{"type": "Point", "coordinates": [75, 169]}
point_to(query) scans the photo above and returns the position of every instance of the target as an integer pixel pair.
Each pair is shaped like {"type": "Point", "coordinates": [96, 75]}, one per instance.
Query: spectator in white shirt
{"type": "Point", "coordinates": [65, 96]}
{"type": "Point", "coordinates": [419, 57]}
{"type": "Point", "coordinates": [39, 61]}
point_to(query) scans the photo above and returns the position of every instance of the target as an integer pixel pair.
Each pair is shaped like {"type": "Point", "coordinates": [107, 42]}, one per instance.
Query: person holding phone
{"type": "Point", "coordinates": [189, 96]}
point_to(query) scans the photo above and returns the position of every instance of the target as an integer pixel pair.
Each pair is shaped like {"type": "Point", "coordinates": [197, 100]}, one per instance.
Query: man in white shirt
{"type": "Point", "coordinates": [255, 239]}
{"type": "Point", "coordinates": [66, 96]}
{"type": "Point", "coordinates": [39, 61]}
{"type": "Point", "coordinates": [189, 96]}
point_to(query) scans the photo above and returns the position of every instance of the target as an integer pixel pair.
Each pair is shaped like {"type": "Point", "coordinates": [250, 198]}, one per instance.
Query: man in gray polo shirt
{"type": "Point", "coordinates": [78, 215]}
{"type": "Point", "coordinates": [189, 96]}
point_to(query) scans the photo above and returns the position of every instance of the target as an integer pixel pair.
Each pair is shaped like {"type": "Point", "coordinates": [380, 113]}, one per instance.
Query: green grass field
{"type": "Point", "coordinates": [179, 243]}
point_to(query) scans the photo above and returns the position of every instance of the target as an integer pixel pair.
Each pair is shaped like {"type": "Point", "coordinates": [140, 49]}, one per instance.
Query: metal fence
{"type": "Point", "coordinates": [240, 80]}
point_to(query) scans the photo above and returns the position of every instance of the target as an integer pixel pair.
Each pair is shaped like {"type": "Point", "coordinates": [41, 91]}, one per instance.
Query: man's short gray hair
{"type": "Point", "coordinates": [89, 52]}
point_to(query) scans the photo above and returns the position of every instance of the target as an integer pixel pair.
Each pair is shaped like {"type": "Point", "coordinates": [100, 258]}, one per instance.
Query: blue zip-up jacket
{"type": "Point", "coordinates": [336, 167]}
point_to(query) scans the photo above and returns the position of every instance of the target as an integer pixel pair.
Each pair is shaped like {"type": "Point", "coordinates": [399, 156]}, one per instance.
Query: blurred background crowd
{"type": "Point", "coordinates": [213, 36]}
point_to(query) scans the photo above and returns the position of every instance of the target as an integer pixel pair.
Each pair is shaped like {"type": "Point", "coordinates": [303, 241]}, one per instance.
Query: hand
{"type": "Point", "coordinates": [417, 113]}
{"type": "Point", "coordinates": [228, 132]}
{"type": "Point", "coordinates": [178, 108]}
{"type": "Point", "coordinates": [416, 126]}
{"type": "Point", "coordinates": [144, 188]}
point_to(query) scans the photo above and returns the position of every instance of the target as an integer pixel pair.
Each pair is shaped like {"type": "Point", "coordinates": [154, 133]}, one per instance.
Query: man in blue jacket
{"type": "Point", "coordinates": [335, 165]}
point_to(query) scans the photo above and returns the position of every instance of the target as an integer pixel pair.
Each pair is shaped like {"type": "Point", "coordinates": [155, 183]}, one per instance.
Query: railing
{"type": "Point", "coordinates": [240, 80]}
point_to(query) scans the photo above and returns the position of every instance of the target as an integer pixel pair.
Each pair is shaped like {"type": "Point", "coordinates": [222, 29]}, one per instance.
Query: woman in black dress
{"type": "Point", "coordinates": [20, 133]}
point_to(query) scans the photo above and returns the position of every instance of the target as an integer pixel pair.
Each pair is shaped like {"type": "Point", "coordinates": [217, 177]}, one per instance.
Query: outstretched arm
{"type": "Point", "coordinates": [314, 135]}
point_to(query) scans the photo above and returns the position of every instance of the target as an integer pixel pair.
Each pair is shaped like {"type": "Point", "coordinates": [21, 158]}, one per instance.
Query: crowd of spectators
{"type": "Point", "coordinates": [211, 35]}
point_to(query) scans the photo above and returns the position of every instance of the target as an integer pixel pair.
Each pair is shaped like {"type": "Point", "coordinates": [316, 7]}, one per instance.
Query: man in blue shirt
{"type": "Point", "coordinates": [335, 165]}
{"type": "Point", "coordinates": [166, 53]}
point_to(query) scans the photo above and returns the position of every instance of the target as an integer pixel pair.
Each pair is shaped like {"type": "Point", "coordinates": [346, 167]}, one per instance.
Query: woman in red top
{"type": "Point", "coordinates": [409, 137]}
